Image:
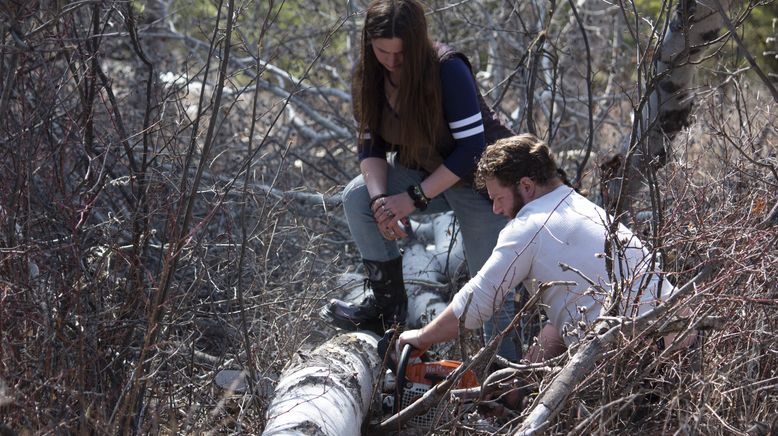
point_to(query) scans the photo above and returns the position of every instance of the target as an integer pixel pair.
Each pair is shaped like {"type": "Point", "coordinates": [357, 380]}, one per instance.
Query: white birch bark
{"type": "Point", "coordinates": [328, 391]}
{"type": "Point", "coordinates": [421, 265]}
{"type": "Point", "coordinates": [691, 30]}
{"type": "Point", "coordinates": [449, 249]}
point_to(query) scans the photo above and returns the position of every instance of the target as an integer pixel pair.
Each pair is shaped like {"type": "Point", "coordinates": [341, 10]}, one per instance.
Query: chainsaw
{"type": "Point", "coordinates": [408, 379]}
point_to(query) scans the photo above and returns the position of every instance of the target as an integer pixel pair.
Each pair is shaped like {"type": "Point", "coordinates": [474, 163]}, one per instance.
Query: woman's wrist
{"type": "Point", "coordinates": [420, 200]}
{"type": "Point", "coordinates": [376, 197]}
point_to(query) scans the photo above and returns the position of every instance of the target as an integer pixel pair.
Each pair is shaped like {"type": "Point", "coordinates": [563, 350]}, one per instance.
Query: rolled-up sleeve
{"type": "Point", "coordinates": [371, 146]}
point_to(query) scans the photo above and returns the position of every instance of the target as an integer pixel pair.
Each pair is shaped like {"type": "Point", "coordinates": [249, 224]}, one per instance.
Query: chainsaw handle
{"type": "Point", "coordinates": [386, 350]}
{"type": "Point", "coordinates": [402, 364]}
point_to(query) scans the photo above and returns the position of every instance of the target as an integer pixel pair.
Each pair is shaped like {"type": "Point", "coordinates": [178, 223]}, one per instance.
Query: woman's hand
{"type": "Point", "coordinates": [389, 211]}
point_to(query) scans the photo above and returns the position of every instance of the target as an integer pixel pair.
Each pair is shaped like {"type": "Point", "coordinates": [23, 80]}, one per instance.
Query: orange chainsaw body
{"type": "Point", "coordinates": [421, 377]}
{"type": "Point", "coordinates": [431, 373]}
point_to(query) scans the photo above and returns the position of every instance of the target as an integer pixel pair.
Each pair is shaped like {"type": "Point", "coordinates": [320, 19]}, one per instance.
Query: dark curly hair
{"type": "Point", "coordinates": [510, 159]}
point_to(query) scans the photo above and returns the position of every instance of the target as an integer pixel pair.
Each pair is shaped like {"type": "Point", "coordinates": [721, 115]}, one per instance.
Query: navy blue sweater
{"type": "Point", "coordinates": [462, 113]}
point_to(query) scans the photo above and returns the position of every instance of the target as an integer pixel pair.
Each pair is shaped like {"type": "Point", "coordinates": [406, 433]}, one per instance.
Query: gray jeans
{"type": "Point", "coordinates": [479, 226]}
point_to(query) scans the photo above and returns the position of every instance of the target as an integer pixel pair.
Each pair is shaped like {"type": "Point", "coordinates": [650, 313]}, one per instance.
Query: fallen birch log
{"type": "Point", "coordinates": [424, 304]}
{"type": "Point", "coordinates": [449, 249]}
{"type": "Point", "coordinates": [421, 265]}
{"type": "Point", "coordinates": [424, 283]}
{"type": "Point", "coordinates": [327, 391]}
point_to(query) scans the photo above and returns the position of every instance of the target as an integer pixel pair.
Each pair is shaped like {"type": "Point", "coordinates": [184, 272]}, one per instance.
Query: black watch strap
{"type": "Point", "coordinates": [420, 201]}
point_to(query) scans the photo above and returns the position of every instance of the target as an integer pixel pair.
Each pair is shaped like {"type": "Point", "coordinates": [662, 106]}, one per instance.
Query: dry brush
{"type": "Point", "coordinates": [169, 205]}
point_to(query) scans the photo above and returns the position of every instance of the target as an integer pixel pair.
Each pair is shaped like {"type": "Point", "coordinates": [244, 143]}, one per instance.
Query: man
{"type": "Point", "coordinates": [550, 225]}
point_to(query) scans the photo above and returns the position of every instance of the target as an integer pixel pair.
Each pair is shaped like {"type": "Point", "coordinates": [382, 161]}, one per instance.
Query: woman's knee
{"type": "Point", "coordinates": [355, 195]}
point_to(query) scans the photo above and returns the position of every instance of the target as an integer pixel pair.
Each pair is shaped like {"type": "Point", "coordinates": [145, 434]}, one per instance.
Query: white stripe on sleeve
{"type": "Point", "coordinates": [466, 121]}
{"type": "Point", "coordinates": [469, 132]}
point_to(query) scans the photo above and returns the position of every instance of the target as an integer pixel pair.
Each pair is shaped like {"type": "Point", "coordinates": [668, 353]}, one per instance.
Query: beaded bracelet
{"type": "Point", "coordinates": [372, 200]}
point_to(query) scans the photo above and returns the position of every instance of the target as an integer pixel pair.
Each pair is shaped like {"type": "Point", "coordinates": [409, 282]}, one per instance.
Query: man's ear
{"type": "Point", "coordinates": [526, 185]}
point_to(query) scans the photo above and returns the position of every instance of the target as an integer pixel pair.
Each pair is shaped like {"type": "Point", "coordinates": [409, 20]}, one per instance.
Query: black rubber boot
{"type": "Point", "coordinates": [386, 307]}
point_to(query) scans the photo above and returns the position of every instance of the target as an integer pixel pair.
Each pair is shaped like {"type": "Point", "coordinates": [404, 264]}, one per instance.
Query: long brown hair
{"type": "Point", "coordinates": [419, 100]}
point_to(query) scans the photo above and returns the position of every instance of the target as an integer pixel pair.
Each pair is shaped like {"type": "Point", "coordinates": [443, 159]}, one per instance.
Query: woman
{"type": "Point", "coordinates": [420, 100]}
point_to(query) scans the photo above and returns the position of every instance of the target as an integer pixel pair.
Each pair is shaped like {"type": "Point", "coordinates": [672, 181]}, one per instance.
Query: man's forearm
{"type": "Point", "coordinates": [443, 328]}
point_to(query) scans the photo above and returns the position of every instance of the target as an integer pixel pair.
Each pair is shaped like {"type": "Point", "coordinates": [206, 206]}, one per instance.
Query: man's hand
{"type": "Point", "coordinates": [443, 328]}
{"type": "Point", "coordinates": [414, 338]}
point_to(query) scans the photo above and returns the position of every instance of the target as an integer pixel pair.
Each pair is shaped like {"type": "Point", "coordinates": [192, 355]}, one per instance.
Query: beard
{"type": "Point", "coordinates": [518, 203]}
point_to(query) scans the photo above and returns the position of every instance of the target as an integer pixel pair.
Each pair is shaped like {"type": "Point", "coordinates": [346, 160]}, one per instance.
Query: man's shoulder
{"type": "Point", "coordinates": [561, 200]}
{"type": "Point", "coordinates": [561, 196]}
{"type": "Point", "coordinates": [529, 219]}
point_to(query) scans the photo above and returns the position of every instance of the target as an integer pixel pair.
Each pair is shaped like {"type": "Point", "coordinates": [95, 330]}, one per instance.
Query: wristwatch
{"type": "Point", "coordinates": [420, 201]}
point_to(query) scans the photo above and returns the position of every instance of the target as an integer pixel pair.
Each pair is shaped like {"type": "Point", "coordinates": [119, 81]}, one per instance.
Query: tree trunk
{"type": "Point", "coordinates": [694, 27]}
{"type": "Point", "coordinates": [327, 391]}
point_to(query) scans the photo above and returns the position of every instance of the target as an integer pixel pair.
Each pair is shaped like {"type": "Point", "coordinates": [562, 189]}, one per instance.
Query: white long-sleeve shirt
{"type": "Point", "coordinates": [561, 227]}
